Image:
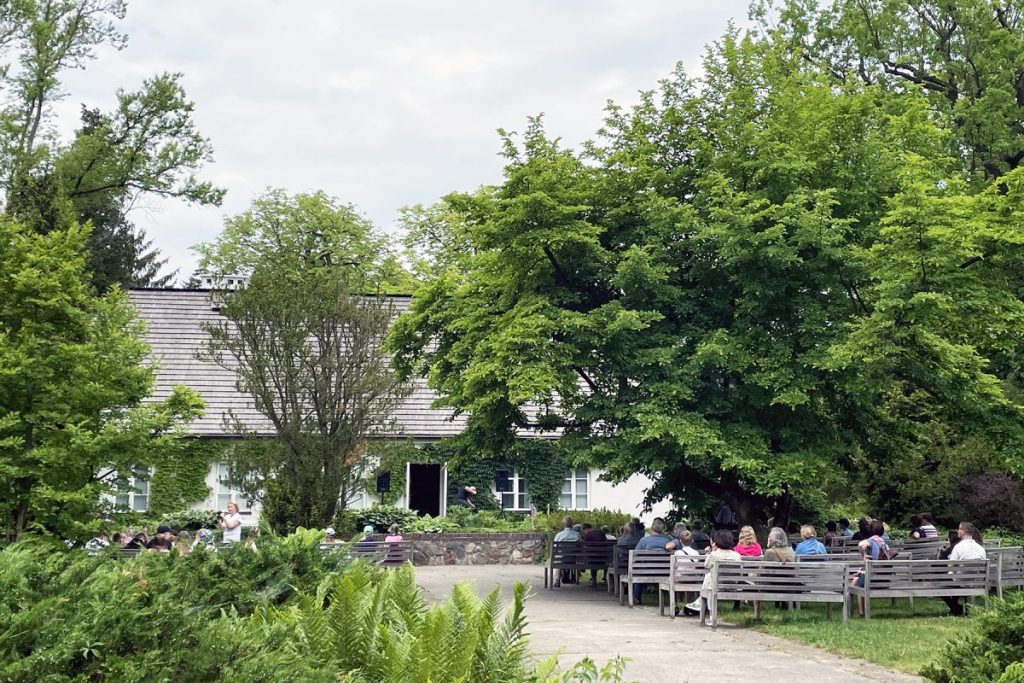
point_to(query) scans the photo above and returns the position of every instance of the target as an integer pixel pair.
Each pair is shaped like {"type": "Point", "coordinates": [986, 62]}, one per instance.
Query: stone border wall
{"type": "Point", "coordinates": [499, 548]}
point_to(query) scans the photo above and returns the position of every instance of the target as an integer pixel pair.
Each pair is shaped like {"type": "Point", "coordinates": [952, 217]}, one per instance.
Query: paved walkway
{"type": "Point", "coordinates": [572, 619]}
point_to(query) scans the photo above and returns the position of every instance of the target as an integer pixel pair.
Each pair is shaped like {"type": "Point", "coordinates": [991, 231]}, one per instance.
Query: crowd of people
{"type": "Point", "coordinates": [729, 541]}
{"type": "Point", "coordinates": [165, 539]}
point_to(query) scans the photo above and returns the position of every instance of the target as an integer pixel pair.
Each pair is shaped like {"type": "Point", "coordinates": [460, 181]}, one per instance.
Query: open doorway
{"type": "Point", "coordinates": [427, 486]}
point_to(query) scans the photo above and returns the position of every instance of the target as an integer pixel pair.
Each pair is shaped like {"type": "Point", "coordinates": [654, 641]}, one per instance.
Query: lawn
{"type": "Point", "coordinates": [895, 636]}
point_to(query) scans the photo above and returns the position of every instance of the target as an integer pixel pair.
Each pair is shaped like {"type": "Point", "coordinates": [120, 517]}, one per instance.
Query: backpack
{"type": "Point", "coordinates": [886, 553]}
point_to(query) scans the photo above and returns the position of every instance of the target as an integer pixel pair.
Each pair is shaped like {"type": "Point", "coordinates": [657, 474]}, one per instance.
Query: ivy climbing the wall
{"type": "Point", "coordinates": [179, 477]}
{"type": "Point", "coordinates": [542, 463]}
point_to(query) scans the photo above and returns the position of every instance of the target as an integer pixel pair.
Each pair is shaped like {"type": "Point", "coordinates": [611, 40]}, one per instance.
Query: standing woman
{"type": "Point", "coordinates": [231, 523]}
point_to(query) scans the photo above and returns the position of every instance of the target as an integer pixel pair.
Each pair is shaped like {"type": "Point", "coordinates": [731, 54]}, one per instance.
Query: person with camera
{"type": "Point", "coordinates": [231, 523]}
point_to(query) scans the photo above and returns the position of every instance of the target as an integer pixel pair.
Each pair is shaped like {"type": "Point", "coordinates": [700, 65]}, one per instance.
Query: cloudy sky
{"type": "Point", "coordinates": [384, 103]}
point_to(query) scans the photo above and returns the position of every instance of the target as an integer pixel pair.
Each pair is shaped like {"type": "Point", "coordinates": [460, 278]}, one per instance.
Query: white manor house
{"type": "Point", "coordinates": [175, 332]}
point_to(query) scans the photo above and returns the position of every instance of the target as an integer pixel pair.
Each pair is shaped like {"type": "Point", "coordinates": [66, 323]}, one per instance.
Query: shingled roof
{"type": "Point", "coordinates": [175, 318]}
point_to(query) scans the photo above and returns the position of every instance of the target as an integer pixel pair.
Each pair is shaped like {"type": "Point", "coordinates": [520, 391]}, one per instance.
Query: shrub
{"type": "Point", "coordinates": [598, 518]}
{"type": "Point", "coordinates": [383, 516]}
{"type": "Point", "coordinates": [190, 520]}
{"type": "Point", "coordinates": [282, 612]}
{"type": "Point", "coordinates": [995, 500]}
{"type": "Point", "coordinates": [430, 525]}
{"type": "Point", "coordinates": [991, 653]}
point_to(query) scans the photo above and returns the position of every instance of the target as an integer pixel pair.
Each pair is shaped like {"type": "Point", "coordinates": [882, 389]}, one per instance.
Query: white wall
{"type": "Point", "coordinates": [625, 497]}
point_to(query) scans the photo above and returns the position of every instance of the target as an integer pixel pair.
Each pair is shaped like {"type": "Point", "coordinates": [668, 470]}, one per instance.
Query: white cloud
{"type": "Point", "coordinates": [385, 103]}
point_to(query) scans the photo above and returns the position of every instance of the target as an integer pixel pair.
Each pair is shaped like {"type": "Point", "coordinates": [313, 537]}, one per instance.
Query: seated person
{"type": "Point", "coordinates": [330, 535]}
{"type": "Point", "coordinates": [629, 536]}
{"type": "Point", "coordinates": [748, 545]}
{"type": "Point", "coordinates": [928, 529]}
{"type": "Point", "coordinates": [831, 533]}
{"type": "Point", "coordinates": [863, 529]}
{"type": "Point", "coordinates": [568, 534]}
{"type": "Point", "coordinates": [810, 545]}
{"type": "Point", "coordinates": [874, 548]}
{"type": "Point", "coordinates": [844, 528]}
{"type": "Point", "coordinates": [701, 541]}
{"type": "Point", "coordinates": [779, 549]}
{"type": "Point", "coordinates": [676, 531]}
{"type": "Point", "coordinates": [394, 534]}
{"type": "Point", "coordinates": [686, 548]}
{"type": "Point", "coordinates": [656, 540]}
{"type": "Point", "coordinates": [722, 544]}
{"type": "Point", "coordinates": [968, 547]}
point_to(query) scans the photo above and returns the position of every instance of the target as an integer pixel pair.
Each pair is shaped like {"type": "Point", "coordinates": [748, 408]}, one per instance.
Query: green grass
{"type": "Point", "coordinates": [895, 636]}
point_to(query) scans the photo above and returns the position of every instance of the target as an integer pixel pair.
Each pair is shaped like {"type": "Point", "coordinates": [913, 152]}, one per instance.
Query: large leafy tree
{"type": "Point", "coordinates": [963, 56]}
{"type": "Point", "coordinates": [305, 338]}
{"type": "Point", "coordinates": [711, 293]}
{"type": "Point", "coordinates": [147, 145]}
{"type": "Point", "coordinates": [72, 379]}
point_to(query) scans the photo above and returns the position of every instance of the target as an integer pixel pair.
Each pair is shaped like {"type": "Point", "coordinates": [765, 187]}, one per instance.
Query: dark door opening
{"type": "Point", "coordinates": [425, 489]}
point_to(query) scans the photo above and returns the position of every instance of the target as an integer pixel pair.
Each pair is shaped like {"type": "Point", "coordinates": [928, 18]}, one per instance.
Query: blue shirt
{"type": "Point", "coordinates": [654, 542]}
{"type": "Point", "coordinates": [810, 546]}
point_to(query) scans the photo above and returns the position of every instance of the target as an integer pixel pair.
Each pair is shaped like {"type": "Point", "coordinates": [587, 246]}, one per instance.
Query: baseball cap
{"type": "Point", "coordinates": [329, 531]}
{"type": "Point", "coordinates": [368, 529]}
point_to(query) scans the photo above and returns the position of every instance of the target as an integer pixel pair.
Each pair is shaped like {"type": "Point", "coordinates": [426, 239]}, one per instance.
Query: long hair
{"type": "Point", "coordinates": [747, 536]}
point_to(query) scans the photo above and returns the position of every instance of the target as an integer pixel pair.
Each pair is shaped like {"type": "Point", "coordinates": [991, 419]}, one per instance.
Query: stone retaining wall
{"type": "Point", "coordinates": [507, 548]}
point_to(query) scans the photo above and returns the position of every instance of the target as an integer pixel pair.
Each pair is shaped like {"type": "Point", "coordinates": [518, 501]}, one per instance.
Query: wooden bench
{"type": "Point", "coordinates": [563, 555]}
{"type": "Point", "coordinates": [1006, 568]}
{"type": "Point", "coordinates": [375, 550]}
{"type": "Point", "coordinates": [685, 575]}
{"type": "Point", "coordinates": [645, 566]}
{"type": "Point", "coordinates": [597, 556]}
{"type": "Point", "coordinates": [617, 568]}
{"type": "Point", "coordinates": [922, 578]}
{"type": "Point", "coordinates": [824, 582]}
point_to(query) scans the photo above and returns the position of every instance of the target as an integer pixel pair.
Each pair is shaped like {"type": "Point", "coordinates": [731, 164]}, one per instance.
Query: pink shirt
{"type": "Point", "coordinates": [751, 550]}
{"type": "Point", "coordinates": [392, 539]}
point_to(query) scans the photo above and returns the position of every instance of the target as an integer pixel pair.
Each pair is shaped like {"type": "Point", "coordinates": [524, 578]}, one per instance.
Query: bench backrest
{"type": "Point", "coordinates": [780, 577]}
{"type": "Point", "coordinates": [565, 553]}
{"type": "Point", "coordinates": [911, 574]}
{"type": "Point", "coordinates": [597, 554]}
{"type": "Point", "coordinates": [649, 564]}
{"type": "Point", "coordinates": [1010, 561]}
{"type": "Point", "coordinates": [836, 556]}
{"type": "Point", "coordinates": [688, 569]}
{"type": "Point", "coordinates": [383, 552]}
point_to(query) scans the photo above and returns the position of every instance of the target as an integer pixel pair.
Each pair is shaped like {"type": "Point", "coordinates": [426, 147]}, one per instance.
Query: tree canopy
{"type": "Point", "coordinates": [753, 287]}
{"type": "Point", "coordinates": [148, 144]}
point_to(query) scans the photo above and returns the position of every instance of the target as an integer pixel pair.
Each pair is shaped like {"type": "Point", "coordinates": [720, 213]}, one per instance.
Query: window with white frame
{"type": "Point", "coordinates": [575, 490]}
{"type": "Point", "coordinates": [226, 494]}
{"type": "Point", "coordinates": [519, 497]}
{"type": "Point", "coordinates": [136, 498]}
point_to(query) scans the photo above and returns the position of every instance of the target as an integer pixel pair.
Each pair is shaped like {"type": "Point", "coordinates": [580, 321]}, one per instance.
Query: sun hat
{"type": "Point", "coordinates": [329, 531]}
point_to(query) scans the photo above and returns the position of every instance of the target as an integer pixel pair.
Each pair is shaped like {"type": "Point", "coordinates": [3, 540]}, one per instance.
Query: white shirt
{"type": "Point", "coordinates": [233, 535]}
{"type": "Point", "coordinates": [968, 549]}
{"type": "Point", "coordinates": [687, 551]}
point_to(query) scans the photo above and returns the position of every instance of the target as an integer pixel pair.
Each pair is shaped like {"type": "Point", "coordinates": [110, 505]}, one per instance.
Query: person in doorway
{"type": "Point", "coordinates": [464, 498]}
{"type": "Point", "coordinates": [231, 523]}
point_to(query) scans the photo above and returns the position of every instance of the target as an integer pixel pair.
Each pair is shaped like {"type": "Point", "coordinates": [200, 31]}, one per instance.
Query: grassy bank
{"type": "Point", "coordinates": [895, 636]}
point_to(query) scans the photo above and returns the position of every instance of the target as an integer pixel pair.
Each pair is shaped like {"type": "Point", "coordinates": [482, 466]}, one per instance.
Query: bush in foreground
{"type": "Point", "coordinates": [281, 612]}
{"type": "Point", "coordinates": [993, 652]}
